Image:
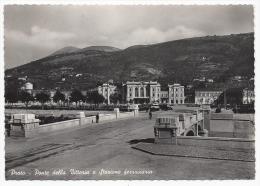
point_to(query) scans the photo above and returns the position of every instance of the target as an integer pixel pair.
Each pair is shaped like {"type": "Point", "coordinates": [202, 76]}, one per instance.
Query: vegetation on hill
{"type": "Point", "coordinates": [214, 57]}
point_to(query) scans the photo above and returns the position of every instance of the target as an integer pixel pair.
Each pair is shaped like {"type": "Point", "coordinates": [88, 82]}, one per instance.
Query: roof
{"type": "Point", "coordinates": [209, 90]}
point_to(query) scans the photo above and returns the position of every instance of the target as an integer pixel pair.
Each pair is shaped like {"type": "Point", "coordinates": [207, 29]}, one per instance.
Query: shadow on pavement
{"type": "Point", "coordinates": [146, 140]}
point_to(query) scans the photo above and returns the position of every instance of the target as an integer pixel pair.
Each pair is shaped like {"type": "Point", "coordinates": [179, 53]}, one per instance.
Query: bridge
{"type": "Point", "coordinates": [179, 122]}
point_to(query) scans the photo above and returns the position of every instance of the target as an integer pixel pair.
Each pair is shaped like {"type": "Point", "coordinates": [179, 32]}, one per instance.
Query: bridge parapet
{"type": "Point", "coordinates": [169, 126]}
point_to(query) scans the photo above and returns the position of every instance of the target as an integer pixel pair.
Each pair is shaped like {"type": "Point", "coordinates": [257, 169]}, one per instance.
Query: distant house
{"type": "Point", "coordinates": [22, 78]}
{"type": "Point", "coordinates": [248, 96]}
{"type": "Point", "coordinates": [202, 79]}
{"type": "Point", "coordinates": [237, 78]}
{"type": "Point", "coordinates": [189, 86]}
{"type": "Point", "coordinates": [210, 80]}
{"type": "Point", "coordinates": [206, 96]}
{"type": "Point", "coordinates": [28, 87]}
{"type": "Point", "coordinates": [78, 75]}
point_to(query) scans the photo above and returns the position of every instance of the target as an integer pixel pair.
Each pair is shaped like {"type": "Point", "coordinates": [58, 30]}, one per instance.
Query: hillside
{"type": "Point", "coordinates": [215, 57]}
{"type": "Point", "coordinates": [65, 50]}
{"type": "Point", "coordinates": [100, 48]}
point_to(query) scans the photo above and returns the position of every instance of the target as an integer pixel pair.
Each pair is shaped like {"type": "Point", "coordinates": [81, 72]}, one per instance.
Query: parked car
{"type": "Point", "coordinates": [165, 107]}
{"type": "Point", "coordinates": [155, 107]}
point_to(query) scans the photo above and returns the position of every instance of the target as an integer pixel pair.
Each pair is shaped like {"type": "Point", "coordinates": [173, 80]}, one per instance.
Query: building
{"type": "Point", "coordinates": [176, 94]}
{"type": "Point", "coordinates": [150, 92]}
{"type": "Point", "coordinates": [164, 96]}
{"type": "Point", "coordinates": [248, 96]}
{"type": "Point", "coordinates": [106, 90]}
{"type": "Point", "coordinates": [142, 92]}
{"type": "Point", "coordinates": [28, 87]}
{"type": "Point", "coordinates": [206, 97]}
{"type": "Point", "coordinates": [210, 80]}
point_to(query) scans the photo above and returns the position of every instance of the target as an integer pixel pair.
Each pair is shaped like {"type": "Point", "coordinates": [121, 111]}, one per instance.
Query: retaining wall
{"type": "Point", "coordinates": [58, 126]}
{"type": "Point", "coordinates": [106, 117]}
{"type": "Point", "coordinates": [225, 125]}
{"type": "Point", "coordinates": [216, 142]}
{"type": "Point", "coordinates": [30, 130]}
{"type": "Point", "coordinates": [126, 115]}
{"type": "Point", "coordinates": [87, 120]}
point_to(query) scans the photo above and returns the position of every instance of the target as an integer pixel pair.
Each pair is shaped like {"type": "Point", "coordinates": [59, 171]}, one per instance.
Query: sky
{"type": "Point", "coordinates": [35, 31]}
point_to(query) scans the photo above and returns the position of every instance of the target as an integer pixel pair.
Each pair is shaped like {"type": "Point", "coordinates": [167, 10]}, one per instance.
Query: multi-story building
{"type": "Point", "coordinates": [150, 92]}
{"type": "Point", "coordinates": [176, 94]}
{"type": "Point", "coordinates": [140, 92]}
{"type": "Point", "coordinates": [248, 96]}
{"type": "Point", "coordinates": [206, 97]}
{"type": "Point", "coordinates": [106, 90]}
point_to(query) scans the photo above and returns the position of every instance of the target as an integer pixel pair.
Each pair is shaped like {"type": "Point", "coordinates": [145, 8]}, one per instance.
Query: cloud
{"type": "Point", "coordinates": [35, 31]}
{"type": "Point", "coordinates": [39, 37]}
{"type": "Point", "coordinates": [154, 35]}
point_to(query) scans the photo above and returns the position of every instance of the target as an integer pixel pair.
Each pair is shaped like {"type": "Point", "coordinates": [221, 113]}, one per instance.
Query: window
{"type": "Point", "coordinates": [148, 90]}
{"type": "Point", "coordinates": [142, 92]}
{"type": "Point", "coordinates": [136, 92]}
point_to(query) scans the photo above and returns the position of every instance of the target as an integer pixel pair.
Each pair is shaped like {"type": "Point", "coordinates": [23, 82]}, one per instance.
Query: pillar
{"type": "Point", "coordinates": [151, 94]}
{"type": "Point", "coordinates": [80, 116]}
{"type": "Point", "coordinates": [108, 95]}
{"type": "Point", "coordinates": [169, 95]}
{"type": "Point", "coordinates": [24, 125]}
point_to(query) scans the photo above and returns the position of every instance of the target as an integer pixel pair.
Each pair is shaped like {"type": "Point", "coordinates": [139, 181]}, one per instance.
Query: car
{"type": "Point", "coordinates": [155, 107]}
{"type": "Point", "coordinates": [165, 107]}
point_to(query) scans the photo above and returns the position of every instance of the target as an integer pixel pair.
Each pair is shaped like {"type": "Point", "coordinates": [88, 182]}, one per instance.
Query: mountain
{"type": "Point", "coordinates": [214, 57]}
{"type": "Point", "coordinates": [65, 50]}
{"type": "Point", "coordinates": [100, 48]}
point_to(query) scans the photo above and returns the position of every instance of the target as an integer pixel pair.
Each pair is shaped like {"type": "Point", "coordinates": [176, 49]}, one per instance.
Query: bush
{"type": "Point", "coordinates": [218, 110]}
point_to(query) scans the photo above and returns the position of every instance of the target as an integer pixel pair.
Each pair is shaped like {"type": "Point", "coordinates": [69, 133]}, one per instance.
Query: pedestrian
{"type": "Point", "coordinates": [97, 118]}
{"type": "Point", "coordinates": [8, 128]}
{"type": "Point", "coordinates": [150, 114]}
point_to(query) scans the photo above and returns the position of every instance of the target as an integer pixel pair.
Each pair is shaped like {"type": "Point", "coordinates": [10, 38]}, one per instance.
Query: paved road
{"type": "Point", "coordinates": [104, 152]}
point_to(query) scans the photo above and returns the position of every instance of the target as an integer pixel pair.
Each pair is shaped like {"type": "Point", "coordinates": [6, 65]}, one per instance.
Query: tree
{"type": "Point", "coordinates": [233, 96]}
{"type": "Point", "coordinates": [11, 92]}
{"type": "Point", "coordinates": [25, 97]}
{"type": "Point", "coordinates": [115, 98]}
{"type": "Point", "coordinates": [76, 96]}
{"type": "Point", "coordinates": [42, 97]}
{"type": "Point", "coordinates": [11, 96]}
{"type": "Point", "coordinates": [58, 96]}
{"type": "Point", "coordinates": [95, 97]}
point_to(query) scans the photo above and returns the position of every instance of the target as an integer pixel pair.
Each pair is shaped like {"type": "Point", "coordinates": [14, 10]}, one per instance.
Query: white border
{"type": "Point", "coordinates": [133, 2]}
